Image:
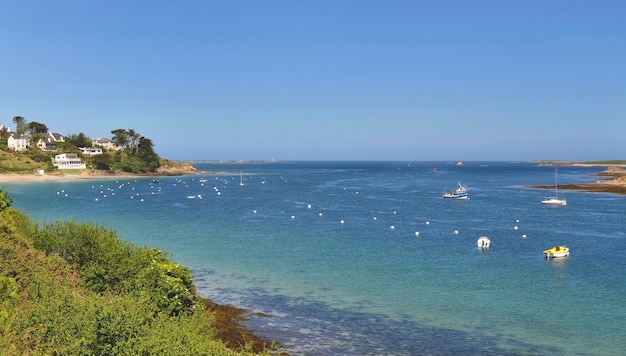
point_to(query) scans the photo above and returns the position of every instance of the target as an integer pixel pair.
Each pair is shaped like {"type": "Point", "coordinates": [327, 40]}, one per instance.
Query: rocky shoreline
{"type": "Point", "coordinates": [228, 324]}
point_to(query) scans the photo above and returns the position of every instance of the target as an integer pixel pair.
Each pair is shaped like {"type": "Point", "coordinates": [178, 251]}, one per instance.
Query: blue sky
{"type": "Point", "coordinates": [324, 80]}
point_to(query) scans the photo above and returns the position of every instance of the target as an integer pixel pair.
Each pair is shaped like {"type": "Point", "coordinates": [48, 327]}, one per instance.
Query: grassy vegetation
{"type": "Point", "coordinates": [11, 162]}
{"type": "Point", "coordinates": [69, 288]}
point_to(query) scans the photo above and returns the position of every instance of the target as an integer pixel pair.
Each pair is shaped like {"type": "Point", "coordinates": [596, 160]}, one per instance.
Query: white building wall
{"type": "Point", "coordinates": [68, 161]}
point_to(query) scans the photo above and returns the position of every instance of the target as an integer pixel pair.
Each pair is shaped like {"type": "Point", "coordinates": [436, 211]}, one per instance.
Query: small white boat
{"type": "Point", "coordinates": [483, 242]}
{"type": "Point", "coordinates": [459, 194]}
{"type": "Point", "coordinates": [555, 200]}
{"type": "Point", "coordinates": [240, 179]}
{"type": "Point", "coordinates": [557, 251]}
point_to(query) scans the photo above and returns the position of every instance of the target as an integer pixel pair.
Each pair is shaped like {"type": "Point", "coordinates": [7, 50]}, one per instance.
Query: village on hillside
{"type": "Point", "coordinates": [48, 142]}
{"type": "Point", "coordinates": [125, 151]}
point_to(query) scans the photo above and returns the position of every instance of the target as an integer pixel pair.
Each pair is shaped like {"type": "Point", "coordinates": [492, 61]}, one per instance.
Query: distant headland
{"type": "Point", "coordinates": [614, 180]}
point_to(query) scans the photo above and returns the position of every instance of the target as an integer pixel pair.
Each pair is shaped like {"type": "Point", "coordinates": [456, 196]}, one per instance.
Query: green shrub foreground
{"type": "Point", "coordinates": [69, 288]}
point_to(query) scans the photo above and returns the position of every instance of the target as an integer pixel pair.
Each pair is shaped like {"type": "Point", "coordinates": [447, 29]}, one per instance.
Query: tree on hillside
{"type": "Point", "coordinates": [80, 140]}
{"type": "Point", "coordinates": [133, 140]}
{"type": "Point", "coordinates": [137, 154]}
{"type": "Point", "coordinates": [102, 162]}
{"type": "Point", "coordinates": [120, 138]}
{"type": "Point", "coordinates": [146, 153]}
{"type": "Point", "coordinates": [20, 124]}
{"type": "Point", "coordinates": [37, 128]}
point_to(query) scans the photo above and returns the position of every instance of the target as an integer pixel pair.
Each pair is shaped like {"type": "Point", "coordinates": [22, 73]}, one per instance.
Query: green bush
{"type": "Point", "coordinates": [69, 288]}
{"type": "Point", "coordinates": [108, 264]}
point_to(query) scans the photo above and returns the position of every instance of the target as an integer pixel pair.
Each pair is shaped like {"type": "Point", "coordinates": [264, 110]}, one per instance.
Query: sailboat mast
{"type": "Point", "coordinates": [556, 181]}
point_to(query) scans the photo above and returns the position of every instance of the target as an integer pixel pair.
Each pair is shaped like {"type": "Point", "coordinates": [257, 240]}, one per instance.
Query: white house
{"type": "Point", "coordinates": [106, 143]}
{"type": "Point", "coordinates": [68, 161]}
{"type": "Point", "coordinates": [90, 151]}
{"type": "Point", "coordinates": [18, 142]}
{"type": "Point", "coordinates": [56, 137]}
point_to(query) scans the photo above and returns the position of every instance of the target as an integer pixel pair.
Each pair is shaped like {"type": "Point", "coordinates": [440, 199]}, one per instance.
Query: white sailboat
{"type": "Point", "coordinates": [240, 179]}
{"type": "Point", "coordinates": [555, 200]}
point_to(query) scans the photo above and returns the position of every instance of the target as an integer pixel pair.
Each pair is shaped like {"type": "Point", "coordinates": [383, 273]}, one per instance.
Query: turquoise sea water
{"type": "Point", "coordinates": [370, 285]}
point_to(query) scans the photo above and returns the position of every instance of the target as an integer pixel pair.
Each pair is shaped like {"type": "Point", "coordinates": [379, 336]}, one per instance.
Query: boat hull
{"type": "Point", "coordinates": [554, 201]}
{"type": "Point", "coordinates": [557, 255]}
{"type": "Point", "coordinates": [456, 196]}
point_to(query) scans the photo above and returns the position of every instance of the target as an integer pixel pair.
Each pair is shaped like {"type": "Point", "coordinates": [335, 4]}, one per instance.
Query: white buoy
{"type": "Point", "coordinates": [341, 222]}
{"type": "Point", "coordinates": [483, 242]}
{"type": "Point", "coordinates": [515, 228]}
{"type": "Point", "coordinates": [309, 206]}
{"type": "Point", "coordinates": [375, 218]}
{"type": "Point", "coordinates": [428, 223]}
{"type": "Point", "coordinates": [320, 214]}
{"type": "Point", "coordinates": [253, 211]}
{"type": "Point", "coordinates": [417, 233]}
{"type": "Point", "coordinates": [456, 232]}
{"type": "Point", "coordinates": [523, 236]}
{"type": "Point", "coordinates": [392, 227]}
{"type": "Point", "coordinates": [293, 216]}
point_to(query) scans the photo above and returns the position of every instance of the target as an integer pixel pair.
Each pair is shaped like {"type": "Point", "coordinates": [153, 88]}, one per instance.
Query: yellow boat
{"type": "Point", "coordinates": [557, 251]}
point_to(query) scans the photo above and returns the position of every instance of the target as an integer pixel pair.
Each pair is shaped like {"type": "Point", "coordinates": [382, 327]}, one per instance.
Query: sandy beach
{"type": "Point", "coordinates": [86, 175]}
{"type": "Point", "coordinates": [33, 178]}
